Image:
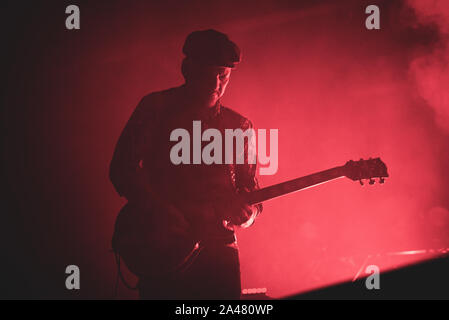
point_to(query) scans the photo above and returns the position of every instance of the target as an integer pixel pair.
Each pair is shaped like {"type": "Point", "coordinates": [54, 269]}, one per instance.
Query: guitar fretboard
{"type": "Point", "coordinates": [283, 188]}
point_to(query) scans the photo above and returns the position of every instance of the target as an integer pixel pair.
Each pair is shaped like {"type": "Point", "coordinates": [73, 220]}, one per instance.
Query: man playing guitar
{"type": "Point", "coordinates": [176, 232]}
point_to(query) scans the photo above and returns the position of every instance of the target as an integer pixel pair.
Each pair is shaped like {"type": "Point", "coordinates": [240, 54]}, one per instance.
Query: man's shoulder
{"type": "Point", "coordinates": [158, 99]}
{"type": "Point", "coordinates": [236, 118]}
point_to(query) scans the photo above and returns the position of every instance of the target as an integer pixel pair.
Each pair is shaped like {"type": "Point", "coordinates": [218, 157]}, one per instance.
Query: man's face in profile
{"type": "Point", "coordinates": [209, 83]}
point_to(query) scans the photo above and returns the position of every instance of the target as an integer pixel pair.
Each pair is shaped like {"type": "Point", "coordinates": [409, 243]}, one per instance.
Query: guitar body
{"type": "Point", "coordinates": [144, 242]}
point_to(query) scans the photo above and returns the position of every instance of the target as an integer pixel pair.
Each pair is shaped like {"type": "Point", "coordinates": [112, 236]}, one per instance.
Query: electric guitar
{"type": "Point", "coordinates": [159, 252]}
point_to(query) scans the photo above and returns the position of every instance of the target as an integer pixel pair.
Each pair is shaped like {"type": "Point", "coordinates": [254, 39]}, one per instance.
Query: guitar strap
{"type": "Point", "coordinates": [121, 277]}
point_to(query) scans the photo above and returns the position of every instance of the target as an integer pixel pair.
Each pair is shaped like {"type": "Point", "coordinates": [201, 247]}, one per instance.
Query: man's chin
{"type": "Point", "coordinates": [211, 101]}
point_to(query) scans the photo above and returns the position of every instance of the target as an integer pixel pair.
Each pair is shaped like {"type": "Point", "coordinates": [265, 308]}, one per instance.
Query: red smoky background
{"type": "Point", "coordinates": [335, 90]}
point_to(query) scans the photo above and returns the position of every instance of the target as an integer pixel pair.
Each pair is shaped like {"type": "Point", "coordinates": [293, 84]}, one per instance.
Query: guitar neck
{"type": "Point", "coordinates": [283, 188]}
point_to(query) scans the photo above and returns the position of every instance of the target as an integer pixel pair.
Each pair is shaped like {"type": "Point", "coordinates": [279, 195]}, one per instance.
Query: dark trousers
{"type": "Point", "coordinates": [213, 274]}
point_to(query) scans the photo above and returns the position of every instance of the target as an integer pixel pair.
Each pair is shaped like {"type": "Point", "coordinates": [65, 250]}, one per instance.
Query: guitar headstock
{"type": "Point", "coordinates": [366, 169]}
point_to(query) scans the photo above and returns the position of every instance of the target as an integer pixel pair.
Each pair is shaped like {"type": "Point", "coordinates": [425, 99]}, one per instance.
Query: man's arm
{"type": "Point", "coordinates": [246, 180]}
{"type": "Point", "coordinates": [125, 170]}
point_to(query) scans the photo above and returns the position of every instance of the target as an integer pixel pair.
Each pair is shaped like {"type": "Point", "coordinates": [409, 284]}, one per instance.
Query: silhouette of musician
{"type": "Point", "coordinates": [176, 233]}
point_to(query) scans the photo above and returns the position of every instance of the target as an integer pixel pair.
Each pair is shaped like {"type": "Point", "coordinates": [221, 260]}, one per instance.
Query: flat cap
{"type": "Point", "coordinates": [211, 47]}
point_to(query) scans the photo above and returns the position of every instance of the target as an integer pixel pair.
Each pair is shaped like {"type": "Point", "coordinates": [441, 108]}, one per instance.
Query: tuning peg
{"type": "Point", "coordinates": [381, 180]}
{"type": "Point", "coordinates": [371, 181]}
{"type": "Point", "coordinates": [361, 182]}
